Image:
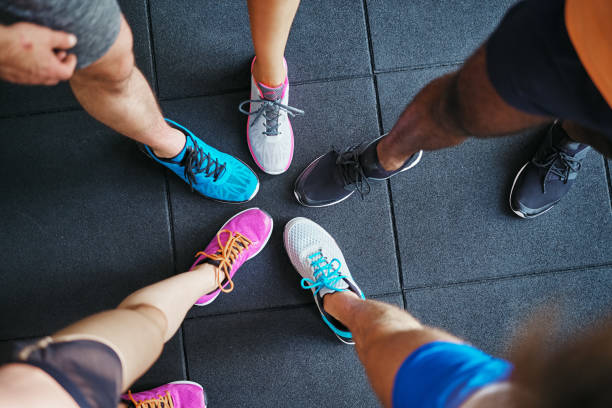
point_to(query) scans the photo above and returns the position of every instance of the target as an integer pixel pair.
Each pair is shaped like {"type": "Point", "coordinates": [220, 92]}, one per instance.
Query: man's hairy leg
{"type": "Point", "coordinates": [384, 336]}
{"type": "Point", "coordinates": [116, 93]}
{"type": "Point", "coordinates": [450, 109]}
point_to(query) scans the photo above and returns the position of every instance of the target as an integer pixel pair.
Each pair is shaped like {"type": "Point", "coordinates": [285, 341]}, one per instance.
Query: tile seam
{"type": "Point", "coordinates": [398, 258]}
{"type": "Point", "coordinates": [607, 169]}
{"type": "Point", "coordinates": [509, 277]}
{"type": "Point", "coordinates": [152, 47]}
{"type": "Point", "coordinates": [283, 307]}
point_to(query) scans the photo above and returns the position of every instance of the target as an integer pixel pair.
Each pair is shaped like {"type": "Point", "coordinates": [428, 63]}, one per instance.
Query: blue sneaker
{"type": "Point", "coordinates": [548, 176]}
{"type": "Point", "coordinates": [211, 173]}
{"type": "Point", "coordinates": [318, 259]}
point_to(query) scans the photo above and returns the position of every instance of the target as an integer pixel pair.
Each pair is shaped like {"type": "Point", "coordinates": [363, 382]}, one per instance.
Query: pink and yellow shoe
{"type": "Point", "coordinates": [241, 238]}
{"type": "Point", "coordinates": [177, 394]}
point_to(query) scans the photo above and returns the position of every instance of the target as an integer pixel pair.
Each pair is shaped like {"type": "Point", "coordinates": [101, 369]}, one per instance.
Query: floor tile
{"type": "Point", "coordinates": [84, 221]}
{"type": "Point", "coordinates": [423, 32]}
{"type": "Point", "coordinates": [470, 231]}
{"type": "Point", "coordinates": [204, 48]}
{"type": "Point", "coordinates": [259, 359]}
{"type": "Point", "coordinates": [490, 313]}
{"type": "Point", "coordinates": [362, 228]}
{"type": "Point", "coordinates": [18, 100]}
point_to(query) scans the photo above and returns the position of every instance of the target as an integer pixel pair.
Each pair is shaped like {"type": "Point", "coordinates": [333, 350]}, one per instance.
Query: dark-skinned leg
{"type": "Point", "coordinates": [449, 110]}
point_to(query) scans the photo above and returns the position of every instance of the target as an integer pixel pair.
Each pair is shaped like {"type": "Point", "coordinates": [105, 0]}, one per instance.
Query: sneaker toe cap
{"type": "Point", "coordinates": [319, 185]}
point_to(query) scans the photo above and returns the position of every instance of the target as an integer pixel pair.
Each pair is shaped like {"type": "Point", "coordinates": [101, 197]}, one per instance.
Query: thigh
{"type": "Point", "coordinates": [96, 23]}
{"type": "Point", "coordinates": [135, 334]}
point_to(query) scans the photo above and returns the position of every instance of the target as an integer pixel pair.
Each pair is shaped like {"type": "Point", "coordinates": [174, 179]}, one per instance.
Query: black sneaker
{"type": "Point", "coordinates": [544, 180]}
{"type": "Point", "coordinates": [334, 177]}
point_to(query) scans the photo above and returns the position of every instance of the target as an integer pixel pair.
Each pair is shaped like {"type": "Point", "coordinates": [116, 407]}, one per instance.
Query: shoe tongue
{"type": "Point", "coordinates": [341, 284]}
{"type": "Point", "coordinates": [271, 94]}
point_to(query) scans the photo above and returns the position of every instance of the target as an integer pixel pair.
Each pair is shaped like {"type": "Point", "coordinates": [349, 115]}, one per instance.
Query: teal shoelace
{"type": "Point", "coordinates": [326, 274]}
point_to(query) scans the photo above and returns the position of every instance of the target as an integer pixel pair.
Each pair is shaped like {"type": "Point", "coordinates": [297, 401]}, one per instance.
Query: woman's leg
{"type": "Point", "coordinates": [270, 25]}
{"type": "Point", "coordinates": [146, 319]}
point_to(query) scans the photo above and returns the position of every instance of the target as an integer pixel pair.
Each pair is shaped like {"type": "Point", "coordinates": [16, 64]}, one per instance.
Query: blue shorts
{"type": "Point", "coordinates": [445, 375]}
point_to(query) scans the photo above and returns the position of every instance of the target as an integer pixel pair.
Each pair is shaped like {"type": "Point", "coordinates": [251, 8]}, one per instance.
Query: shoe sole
{"type": "Point", "coordinates": [517, 212]}
{"type": "Point", "coordinates": [287, 227]}
{"type": "Point", "coordinates": [252, 255]}
{"type": "Point", "coordinates": [418, 159]}
{"type": "Point", "coordinates": [193, 383]}
{"type": "Point", "coordinates": [144, 151]}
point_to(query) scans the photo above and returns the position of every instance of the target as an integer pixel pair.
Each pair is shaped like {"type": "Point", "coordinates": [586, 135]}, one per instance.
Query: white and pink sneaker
{"type": "Point", "coordinates": [269, 132]}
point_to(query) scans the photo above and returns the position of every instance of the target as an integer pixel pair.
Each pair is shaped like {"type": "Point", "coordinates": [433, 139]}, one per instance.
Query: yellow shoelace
{"type": "Point", "coordinates": [226, 255]}
{"type": "Point", "coordinates": [162, 401]}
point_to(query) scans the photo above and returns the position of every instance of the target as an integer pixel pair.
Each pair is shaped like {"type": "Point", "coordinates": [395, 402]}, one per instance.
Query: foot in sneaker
{"type": "Point", "coordinates": [548, 176]}
{"type": "Point", "coordinates": [318, 259]}
{"type": "Point", "coordinates": [269, 132]}
{"type": "Point", "coordinates": [211, 173]}
{"type": "Point", "coordinates": [334, 177]}
{"type": "Point", "coordinates": [178, 394]}
{"type": "Point", "coordinates": [241, 238]}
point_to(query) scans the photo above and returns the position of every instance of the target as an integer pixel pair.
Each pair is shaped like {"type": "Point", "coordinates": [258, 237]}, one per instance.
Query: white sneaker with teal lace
{"type": "Point", "coordinates": [316, 256]}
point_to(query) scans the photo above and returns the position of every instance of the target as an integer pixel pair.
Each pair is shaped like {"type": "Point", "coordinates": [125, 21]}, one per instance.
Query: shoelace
{"type": "Point", "coordinates": [325, 274]}
{"type": "Point", "coordinates": [162, 401]}
{"type": "Point", "coordinates": [270, 110]}
{"type": "Point", "coordinates": [226, 255]}
{"type": "Point", "coordinates": [557, 163]}
{"type": "Point", "coordinates": [352, 171]}
{"type": "Point", "coordinates": [195, 161]}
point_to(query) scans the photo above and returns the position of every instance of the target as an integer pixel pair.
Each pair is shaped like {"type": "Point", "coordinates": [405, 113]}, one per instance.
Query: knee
{"type": "Point", "coordinates": [157, 318]}
{"type": "Point", "coordinates": [457, 113]}
{"type": "Point", "coordinates": [116, 66]}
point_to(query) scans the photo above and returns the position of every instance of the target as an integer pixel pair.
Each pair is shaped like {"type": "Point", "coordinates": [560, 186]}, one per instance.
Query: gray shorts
{"type": "Point", "coordinates": [96, 23]}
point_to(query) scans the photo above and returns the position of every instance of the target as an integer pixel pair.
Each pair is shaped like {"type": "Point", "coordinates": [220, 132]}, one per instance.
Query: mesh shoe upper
{"type": "Point", "coordinates": [544, 180]}
{"type": "Point", "coordinates": [318, 259]}
{"type": "Point", "coordinates": [269, 132]}
{"type": "Point", "coordinates": [212, 173]}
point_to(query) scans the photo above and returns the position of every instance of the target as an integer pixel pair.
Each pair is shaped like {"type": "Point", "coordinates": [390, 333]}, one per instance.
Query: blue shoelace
{"type": "Point", "coordinates": [326, 274]}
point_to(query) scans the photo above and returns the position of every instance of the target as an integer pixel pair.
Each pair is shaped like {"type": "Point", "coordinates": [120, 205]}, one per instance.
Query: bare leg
{"type": "Point", "coordinates": [384, 336]}
{"type": "Point", "coordinates": [146, 319]}
{"type": "Point", "coordinates": [448, 110]}
{"type": "Point", "coordinates": [587, 136]}
{"type": "Point", "coordinates": [116, 93]}
{"type": "Point", "coordinates": [270, 25]}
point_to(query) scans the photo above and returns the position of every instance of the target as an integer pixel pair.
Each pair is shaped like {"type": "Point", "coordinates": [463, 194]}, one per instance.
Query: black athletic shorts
{"type": "Point", "coordinates": [87, 367]}
{"type": "Point", "coordinates": [534, 67]}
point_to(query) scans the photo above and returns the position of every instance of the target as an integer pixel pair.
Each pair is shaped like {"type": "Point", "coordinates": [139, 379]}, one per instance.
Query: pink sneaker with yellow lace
{"type": "Point", "coordinates": [178, 394]}
{"type": "Point", "coordinates": [241, 238]}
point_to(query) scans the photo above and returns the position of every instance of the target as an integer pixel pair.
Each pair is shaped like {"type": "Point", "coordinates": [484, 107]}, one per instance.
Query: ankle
{"type": "Point", "coordinates": [388, 156]}
{"type": "Point", "coordinates": [210, 274]}
{"type": "Point", "coordinates": [172, 143]}
{"type": "Point", "coordinates": [271, 75]}
{"type": "Point", "coordinates": [335, 303]}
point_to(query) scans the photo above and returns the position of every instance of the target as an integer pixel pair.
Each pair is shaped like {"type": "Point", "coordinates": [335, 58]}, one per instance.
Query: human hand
{"type": "Point", "coordinates": [35, 55]}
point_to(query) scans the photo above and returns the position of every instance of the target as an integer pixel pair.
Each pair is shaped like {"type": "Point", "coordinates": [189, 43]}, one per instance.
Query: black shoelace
{"type": "Point", "coordinates": [195, 161]}
{"type": "Point", "coordinates": [559, 164]}
{"type": "Point", "coordinates": [352, 172]}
